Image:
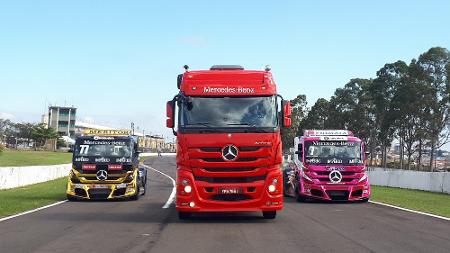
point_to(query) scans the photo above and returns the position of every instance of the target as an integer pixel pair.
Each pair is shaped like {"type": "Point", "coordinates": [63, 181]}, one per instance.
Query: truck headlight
{"type": "Point", "coordinates": [188, 189]}
{"type": "Point", "coordinates": [129, 178]}
{"type": "Point", "coordinates": [272, 187]}
{"type": "Point", "coordinates": [306, 177]}
{"type": "Point", "coordinates": [364, 177]}
{"type": "Point", "coordinates": [74, 178]}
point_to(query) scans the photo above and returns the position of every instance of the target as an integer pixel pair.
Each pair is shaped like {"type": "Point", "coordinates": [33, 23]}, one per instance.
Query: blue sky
{"type": "Point", "coordinates": [117, 61]}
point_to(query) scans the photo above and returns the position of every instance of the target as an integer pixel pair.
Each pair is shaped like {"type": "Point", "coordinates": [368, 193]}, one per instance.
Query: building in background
{"type": "Point", "coordinates": [81, 126]}
{"type": "Point", "coordinates": [62, 119]}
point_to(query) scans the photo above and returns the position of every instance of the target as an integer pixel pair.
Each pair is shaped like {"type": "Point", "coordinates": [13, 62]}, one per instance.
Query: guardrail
{"type": "Point", "coordinates": [11, 177]}
{"type": "Point", "coordinates": [418, 180]}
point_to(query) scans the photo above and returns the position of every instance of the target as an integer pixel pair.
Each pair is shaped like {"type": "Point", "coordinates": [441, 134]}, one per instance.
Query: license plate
{"type": "Point", "coordinates": [99, 186]}
{"type": "Point", "coordinates": [230, 190]}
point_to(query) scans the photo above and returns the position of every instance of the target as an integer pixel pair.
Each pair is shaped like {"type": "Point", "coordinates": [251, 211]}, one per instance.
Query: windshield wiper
{"type": "Point", "coordinates": [241, 124]}
{"type": "Point", "coordinates": [206, 124]}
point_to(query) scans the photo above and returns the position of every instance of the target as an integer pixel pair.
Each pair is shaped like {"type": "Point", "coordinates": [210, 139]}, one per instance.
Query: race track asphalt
{"type": "Point", "coordinates": [144, 226]}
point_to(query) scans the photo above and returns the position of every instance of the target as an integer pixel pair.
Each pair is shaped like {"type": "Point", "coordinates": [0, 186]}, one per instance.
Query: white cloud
{"type": "Point", "coordinates": [4, 115]}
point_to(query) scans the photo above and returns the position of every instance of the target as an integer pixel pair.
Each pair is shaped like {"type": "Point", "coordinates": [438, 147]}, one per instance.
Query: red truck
{"type": "Point", "coordinates": [227, 121]}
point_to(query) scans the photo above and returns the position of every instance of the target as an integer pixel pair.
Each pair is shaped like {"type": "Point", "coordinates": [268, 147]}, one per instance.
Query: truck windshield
{"type": "Point", "coordinates": [226, 112]}
{"type": "Point", "coordinates": [333, 152]}
{"type": "Point", "coordinates": [107, 149]}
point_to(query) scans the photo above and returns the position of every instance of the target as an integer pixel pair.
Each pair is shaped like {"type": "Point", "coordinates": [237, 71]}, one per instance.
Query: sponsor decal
{"type": "Point", "coordinates": [103, 138]}
{"type": "Point", "coordinates": [312, 160]}
{"type": "Point", "coordinates": [334, 168]}
{"type": "Point", "coordinates": [81, 159]}
{"type": "Point", "coordinates": [102, 160]}
{"type": "Point", "coordinates": [123, 160]}
{"type": "Point", "coordinates": [334, 160]}
{"type": "Point", "coordinates": [245, 90]}
{"type": "Point", "coordinates": [327, 133]}
{"type": "Point", "coordinates": [105, 142]}
{"type": "Point", "coordinates": [263, 143]}
{"type": "Point", "coordinates": [104, 132]}
{"type": "Point", "coordinates": [114, 166]}
{"type": "Point", "coordinates": [121, 186]}
{"type": "Point", "coordinates": [355, 161]}
{"type": "Point", "coordinates": [333, 143]}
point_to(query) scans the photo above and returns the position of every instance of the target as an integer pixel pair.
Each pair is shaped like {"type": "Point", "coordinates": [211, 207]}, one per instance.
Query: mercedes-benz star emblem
{"type": "Point", "coordinates": [335, 176]}
{"type": "Point", "coordinates": [102, 175]}
{"type": "Point", "coordinates": [230, 153]}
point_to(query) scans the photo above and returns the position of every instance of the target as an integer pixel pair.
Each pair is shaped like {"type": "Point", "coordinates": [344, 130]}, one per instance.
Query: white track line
{"type": "Point", "coordinates": [31, 211]}
{"type": "Point", "coordinates": [172, 195]}
{"type": "Point", "coordinates": [409, 210]}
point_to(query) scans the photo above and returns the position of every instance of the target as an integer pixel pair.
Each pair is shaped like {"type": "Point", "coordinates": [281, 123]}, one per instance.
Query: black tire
{"type": "Point", "coordinates": [71, 198]}
{"type": "Point", "coordinates": [299, 197]}
{"type": "Point", "coordinates": [145, 187]}
{"type": "Point", "coordinates": [136, 195]}
{"type": "Point", "coordinates": [285, 185]}
{"type": "Point", "coordinates": [184, 215]}
{"type": "Point", "coordinates": [364, 200]}
{"type": "Point", "coordinates": [269, 214]}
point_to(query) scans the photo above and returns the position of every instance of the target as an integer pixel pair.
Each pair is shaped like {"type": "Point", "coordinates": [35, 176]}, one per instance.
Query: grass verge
{"type": "Point", "coordinates": [21, 199]}
{"type": "Point", "coordinates": [30, 158]}
{"type": "Point", "coordinates": [429, 202]}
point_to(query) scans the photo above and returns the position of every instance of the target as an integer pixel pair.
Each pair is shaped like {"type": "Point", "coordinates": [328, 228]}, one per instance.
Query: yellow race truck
{"type": "Point", "coordinates": [105, 165]}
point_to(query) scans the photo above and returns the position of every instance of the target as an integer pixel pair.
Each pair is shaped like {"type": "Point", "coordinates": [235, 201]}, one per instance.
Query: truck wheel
{"type": "Point", "coordinates": [299, 197]}
{"type": "Point", "coordinates": [184, 215]}
{"type": "Point", "coordinates": [269, 214]}
{"type": "Point", "coordinates": [135, 196]}
{"type": "Point", "coordinates": [286, 185]}
{"type": "Point", "coordinates": [71, 198]}
{"type": "Point", "coordinates": [145, 188]}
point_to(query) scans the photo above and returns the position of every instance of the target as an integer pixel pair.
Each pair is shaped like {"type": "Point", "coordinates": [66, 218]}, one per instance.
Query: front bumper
{"type": "Point", "coordinates": [336, 192]}
{"type": "Point", "coordinates": [201, 198]}
{"type": "Point", "coordinates": [101, 191]}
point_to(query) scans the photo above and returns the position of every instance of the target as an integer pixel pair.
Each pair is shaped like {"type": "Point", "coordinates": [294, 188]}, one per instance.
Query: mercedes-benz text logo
{"type": "Point", "coordinates": [102, 175]}
{"type": "Point", "coordinates": [335, 176]}
{"type": "Point", "coordinates": [230, 153]}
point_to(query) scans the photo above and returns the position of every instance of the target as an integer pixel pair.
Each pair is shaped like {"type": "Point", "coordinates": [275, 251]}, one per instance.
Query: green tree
{"type": "Point", "coordinates": [41, 134]}
{"type": "Point", "coordinates": [298, 112]}
{"type": "Point", "coordinates": [351, 108]}
{"type": "Point", "coordinates": [433, 72]}
{"type": "Point", "coordinates": [317, 117]}
{"type": "Point", "coordinates": [382, 92]}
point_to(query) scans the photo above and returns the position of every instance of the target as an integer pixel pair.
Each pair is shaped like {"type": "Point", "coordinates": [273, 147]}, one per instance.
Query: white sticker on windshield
{"type": "Point", "coordinates": [84, 149]}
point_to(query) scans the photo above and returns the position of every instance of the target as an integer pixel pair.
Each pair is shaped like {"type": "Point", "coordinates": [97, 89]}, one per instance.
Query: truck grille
{"type": "Point", "coordinates": [242, 159]}
{"type": "Point", "coordinates": [219, 169]}
{"type": "Point", "coordinates": [347, 176]}
{"type": "Point", "coordinates": [338, 195]}
{"type": "Point", "coordinates": [207, 157]}
{"type": "Point", "coordinates": [99, 193]}
{"type": "Point", "coordinates": [230, 179]}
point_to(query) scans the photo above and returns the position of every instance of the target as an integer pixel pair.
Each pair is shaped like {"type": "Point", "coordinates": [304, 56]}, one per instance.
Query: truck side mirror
{"type": "Point", "coordinates": [169, 114]}
{"type": "Point", "coordinates": [287, 122]}
{"type": "Point", "coordinates": [179, 80]}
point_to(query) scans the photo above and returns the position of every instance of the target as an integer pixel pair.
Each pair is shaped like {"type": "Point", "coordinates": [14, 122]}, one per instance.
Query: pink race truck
{"type": "Point", "coordinates": [327, 165]}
